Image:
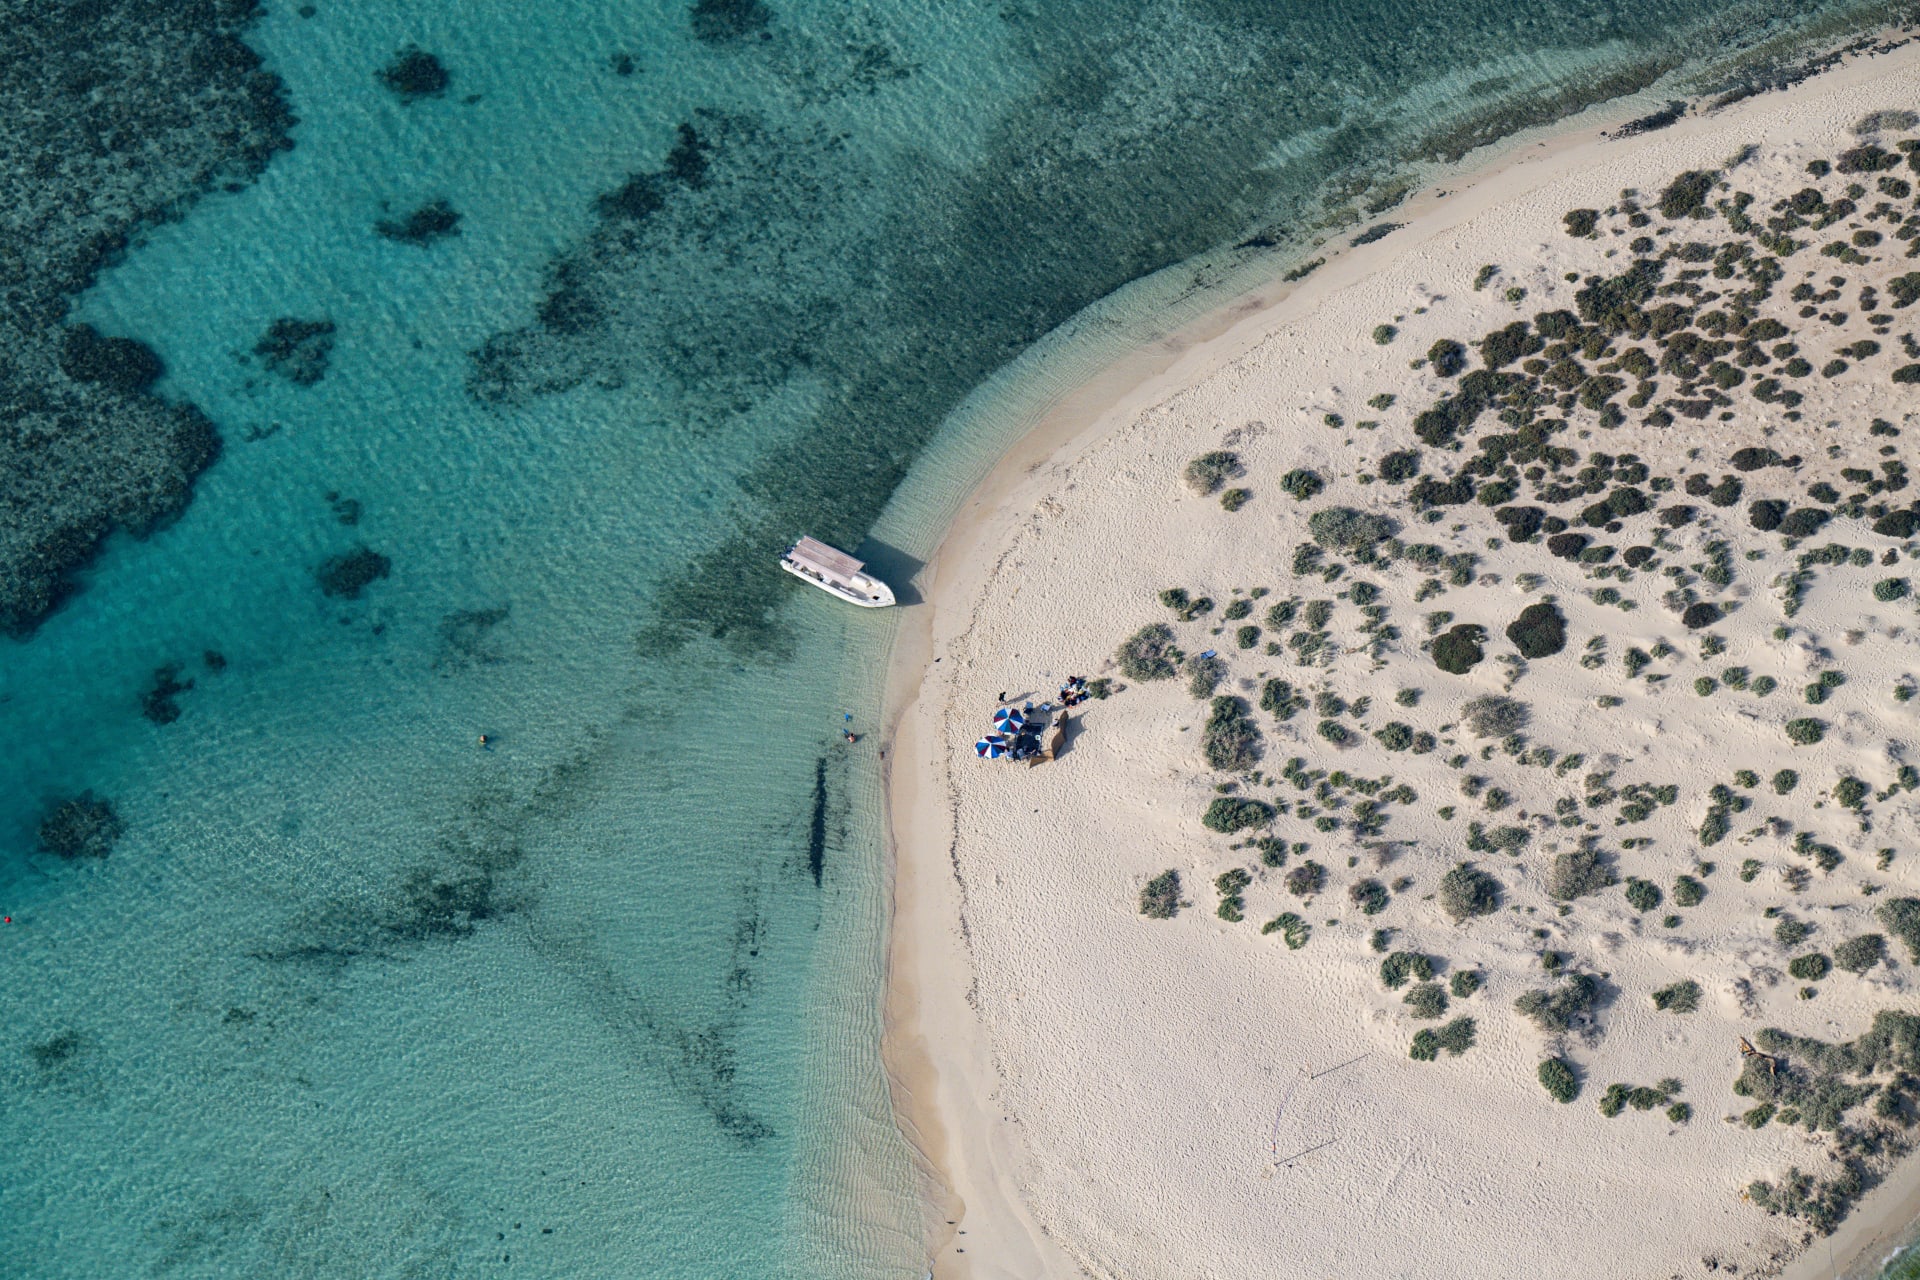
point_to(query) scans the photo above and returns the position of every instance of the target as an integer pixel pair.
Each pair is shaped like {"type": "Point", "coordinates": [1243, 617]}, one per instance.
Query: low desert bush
{"type": "Point", "coordinates": [1426, 1000]}
{"type": "Point", "coordinates": [1539, 632]}
{"type": "Point", "coordinates": [1494, 715]}
{"type": "Point", "coordinates": [1368, 895]}
{"type": "Point", "coordinates": [1459, 650]}
{"type": "Point", "coordinates": [1302, 483]}
{"type": "Point", "coordinates": [1810, 967]}
{"type": "Point", "coordinates": [1576, 872]}
{"type": "Point", "coordinates": [1642, 895]}
{"type": "Point", "coordinates": [1149, 654]}
{"type": "Point", "coordinates": [1306, 879]}
{"type": "Point", "coordinates": [1468, 891]}
{"type": "Point", "coordinates": [1558, 1079]}
{"type": "Point", "coordinates": [1556, 1009]}
{"type": "Point", "coordinates": [1806, 731]}
{"type": "Point", "coordinates": [1206, 473]}
{"type": "Point", "coordinates": [1228, 814]}
{"type": "Point", "coordinates": [1405, 966]}
{"type": "Point", "coordinates": [1292, 929]}
{"type": "Point", "coordinates": [1857, 955]}
{"type": "Point", "coordinates": [1231, 739]}
{"type": "Point", "coordinates": [1680, 997]}
{"type": "Point", "coordinates": [1160, 899]}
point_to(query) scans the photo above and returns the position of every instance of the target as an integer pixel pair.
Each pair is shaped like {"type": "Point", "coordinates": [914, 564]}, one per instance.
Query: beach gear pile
{"type": "Point", "coordinates": [1017, 732]}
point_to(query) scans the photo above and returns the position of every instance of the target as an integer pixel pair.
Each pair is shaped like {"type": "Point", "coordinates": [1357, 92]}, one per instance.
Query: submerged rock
{"type": "Point", "coordinates": [83, 827]}
{"type": "Point", "coordinates": [346, 575]}
{"type": "Point", "coordinates": [415, 73]}
{"type": "Point", "coordinates": [433, 221]}
{"type": "Point", "coordinates": [161, 703]}
{"type": "Point", "coordinates": [297, 350]}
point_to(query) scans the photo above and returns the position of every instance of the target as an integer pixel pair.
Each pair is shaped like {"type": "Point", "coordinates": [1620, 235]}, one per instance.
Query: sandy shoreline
{"type": "Point", "coordinates": [949, 1075]}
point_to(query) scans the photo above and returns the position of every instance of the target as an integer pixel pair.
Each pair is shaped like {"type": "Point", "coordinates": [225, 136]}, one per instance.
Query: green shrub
{"type": "Point", "coordinates": [1857, 955]}
{"type": "Point", "coordinates": [1806, 731]}
{"type": "Point", "coordinates": [1234, 499]}
{"type": "Point", "coordinates": [1789, 932]}
{"type": "Point", "coordinates": [1302, 483]}
{"type": "Point", "coordinates": [1539, 632]}
{"type": "Point", "coordinates": [1404, 966]}
{"type": "Point", "coordinates": [1231, 885]}
{"type": "Point", "coordinates": [1850, 792]}
{"type": "Point", "coordinates": [1204, 675]}
{"type": "Point", "coordinates": [1576, 872]}
{"type": "Point", "coordinates": [1426, 1000]}
{"type": "Point", "coordinates": [1890, 589]}
{"type": "Point", "coordinates": [1246, 637]}
{"type": "Point", "coordinates": [1555, 1010]}
{"type": "Point", "coordinates": [1764, 685]}
{"type": "Point", "coordinates": [1206, 473]}
{"type": "Point", "coordinates": [1901, 916]}
{"type": "Point", "coordinates": [1368, 895]}
{"type": "Point", "coordinates": [1334, 732]}
{"type": "Point", "coordinates": [1400, 466]}
{"type": "Point", "coordinates": [1457, 1036]}
{"type": "Point", "coordinates": [1447, 357]}
{"type": "Point", "coordinates": [1395, 736]}
{"type": "Point", "coordinates": [1279, 698]}
{"type": "Point", "coordinates": [1306, 879]}
{"type": "Point", "coordinates": [1160, 900]}
{"type": "Point", "coordinates": [1642, 895]}
{"type": "Point", "coordinates": [1680, 997]}
{"type": "Point", "coordinates": [1686, 194]}
{"type": "Point", "coordinates": [1810, 967]}
{"type": "Point", "coordinates": [1680, 1113]}
{"type": "Point", "coordinates": [1458, 651]}
{"type": "Point", "coordinates": [1149, 654]}
{"type": "Point", "coordinates": [1292, 929]}
{"type": "Point", "coordinates": [1494, 715]}
{"type": "Point", "coordinates": [1228, 814]}
{"type": "Point", "coordinates": [1383, 334]}
{"type": "Point", "coordinates": [1231, 739]}
{"type": "Point", "coordinates": [1464, 983]}
{"type": "Point", "coordinates": [1581, 223]}
{"type": "Point", "coordinates": [1558, 1079]}
{"type": "Point", "coordinates": [1687, 892]}
{"type": "Point", "coordinates": [1467, 891]}
{"type": "Point", "coordinates": [1785, 781]}
{"type": "Point", "coordinates": [1344, 529]}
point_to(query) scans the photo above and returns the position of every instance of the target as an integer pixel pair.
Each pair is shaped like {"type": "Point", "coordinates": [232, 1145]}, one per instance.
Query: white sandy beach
{"type": "Point", "coordinates": [1097, 1092]}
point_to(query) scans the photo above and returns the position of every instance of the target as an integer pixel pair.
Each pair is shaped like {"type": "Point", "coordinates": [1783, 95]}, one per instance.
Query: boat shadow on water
{"type": "Point", "coordinates": [894, 567]}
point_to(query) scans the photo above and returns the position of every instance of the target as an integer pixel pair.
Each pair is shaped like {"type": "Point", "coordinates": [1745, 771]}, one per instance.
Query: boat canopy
{"type": "Point", "coordinates": [829, 563]}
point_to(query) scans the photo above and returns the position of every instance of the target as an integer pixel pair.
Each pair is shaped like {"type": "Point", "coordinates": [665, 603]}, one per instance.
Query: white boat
{"type": "Point", "coordinates": [836, 573]}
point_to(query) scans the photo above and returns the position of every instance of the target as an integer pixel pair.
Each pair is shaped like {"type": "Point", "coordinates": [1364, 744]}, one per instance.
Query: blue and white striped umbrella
{"type": "Point", "coordinates": [989, 749]}
{"type": "Point", "coordinates": [1009, 719]}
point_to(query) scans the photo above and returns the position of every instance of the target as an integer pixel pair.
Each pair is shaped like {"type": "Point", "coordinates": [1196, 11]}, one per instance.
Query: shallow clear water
{"type": "Point", "coordinates": [355, 996]}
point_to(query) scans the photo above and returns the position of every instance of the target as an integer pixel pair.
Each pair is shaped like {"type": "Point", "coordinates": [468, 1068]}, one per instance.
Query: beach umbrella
{"type": "Point", "coordinates": [1005, 714]}
{"type": "Point", "coordinates": [989, 749]}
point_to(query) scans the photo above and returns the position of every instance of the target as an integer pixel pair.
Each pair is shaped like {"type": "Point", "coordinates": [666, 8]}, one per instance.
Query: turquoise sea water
{"type": "Point", "coordinates": [355, 996]}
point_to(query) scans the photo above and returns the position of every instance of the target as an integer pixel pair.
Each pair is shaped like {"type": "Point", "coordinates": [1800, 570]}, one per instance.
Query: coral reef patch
{"type": "Point", "coordinates": [117, 115]}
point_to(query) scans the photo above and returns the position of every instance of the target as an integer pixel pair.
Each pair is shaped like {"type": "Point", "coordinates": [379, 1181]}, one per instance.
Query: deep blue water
{"type": "Point", "coordinates": [356, 996]}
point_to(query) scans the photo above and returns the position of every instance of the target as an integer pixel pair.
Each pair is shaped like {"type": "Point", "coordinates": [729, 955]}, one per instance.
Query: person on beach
{"type": "Point", "coordinates": [1003, 697]}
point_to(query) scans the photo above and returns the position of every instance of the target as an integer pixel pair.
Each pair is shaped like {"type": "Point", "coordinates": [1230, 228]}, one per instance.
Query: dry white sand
{"type": "Point", "coordinates": [1100, 1092]}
